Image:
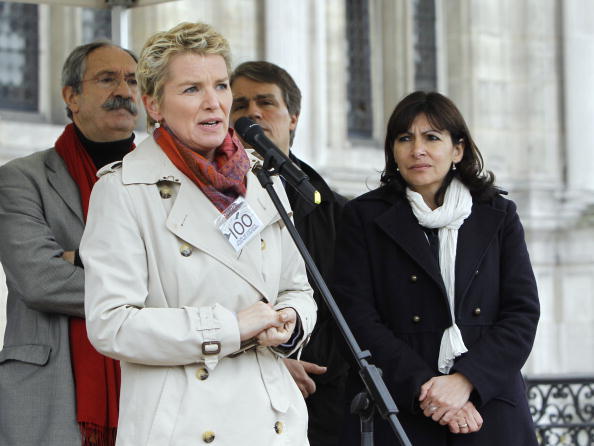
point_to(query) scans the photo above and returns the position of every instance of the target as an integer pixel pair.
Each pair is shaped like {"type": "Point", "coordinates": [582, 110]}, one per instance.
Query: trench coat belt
{"type": "Point", "coordinates": [273, 372]}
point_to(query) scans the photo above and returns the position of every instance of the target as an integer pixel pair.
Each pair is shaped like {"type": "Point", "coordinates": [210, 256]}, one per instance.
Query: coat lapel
{"type": "Point", "coordinates": [61, 181]}
{"type": "Point", "coordinates": [259, 201]}
{"type": "Point", "coordinates": [474, 237]}
{"type": "Point", "coordinates": [399, 223]}
{"type": "Point", "coordinates": [192, 218]}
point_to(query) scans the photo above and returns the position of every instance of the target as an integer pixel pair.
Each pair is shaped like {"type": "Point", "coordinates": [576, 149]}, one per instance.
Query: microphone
{"type": "Point", "coordinates": [253, 134]}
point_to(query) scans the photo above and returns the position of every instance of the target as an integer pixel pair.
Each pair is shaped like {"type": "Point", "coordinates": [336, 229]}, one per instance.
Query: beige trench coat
{"type": "Point", "coordinates": [160, 279]}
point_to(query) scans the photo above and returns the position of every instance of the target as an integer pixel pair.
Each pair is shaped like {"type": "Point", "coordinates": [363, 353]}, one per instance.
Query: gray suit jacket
{"type": "Point", "coordinates": [40, 218]}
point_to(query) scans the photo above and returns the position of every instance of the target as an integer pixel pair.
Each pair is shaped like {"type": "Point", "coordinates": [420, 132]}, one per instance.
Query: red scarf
{"type": "Point", "coordinates": [222, 180]}
{"type": "Point", "coordinates": [96, 377]}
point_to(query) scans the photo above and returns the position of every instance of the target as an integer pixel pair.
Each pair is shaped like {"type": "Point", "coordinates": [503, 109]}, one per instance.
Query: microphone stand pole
{"type": "Point", "coordinates": [376, 397]}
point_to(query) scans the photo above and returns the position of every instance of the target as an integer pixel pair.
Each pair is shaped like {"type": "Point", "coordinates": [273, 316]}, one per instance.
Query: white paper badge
{"type": "Point", "coordinates": [238, 223]}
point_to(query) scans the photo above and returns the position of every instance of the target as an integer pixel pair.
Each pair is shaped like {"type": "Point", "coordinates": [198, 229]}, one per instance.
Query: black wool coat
{"type": "Point", "coordinates": [317, 225]}
{"type": "Point", "coordinates": [389, 287]}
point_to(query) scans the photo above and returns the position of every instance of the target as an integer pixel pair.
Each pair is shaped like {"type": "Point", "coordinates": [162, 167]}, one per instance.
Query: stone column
{"type": "Point", "coordinates": [290, 42]}
{"type": "Point", "coordinates": [64, 33]}
{"type": "Point", "coordinates": [397, 64]}
{"type": "Point", "coordinates": [336, 79]}
{"type": "Point", "coordinates": [578, 66]}
{"type": "Point", "coordinates": [3, 293]}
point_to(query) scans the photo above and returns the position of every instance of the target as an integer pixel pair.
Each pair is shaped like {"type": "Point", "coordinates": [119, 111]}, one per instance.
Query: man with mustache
{"type": "Point", "coordinates": [55, 388]}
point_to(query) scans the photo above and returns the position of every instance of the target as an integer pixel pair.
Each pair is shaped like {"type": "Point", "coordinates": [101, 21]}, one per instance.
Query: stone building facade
{"type": "Point", "coordinates": [520, 71]}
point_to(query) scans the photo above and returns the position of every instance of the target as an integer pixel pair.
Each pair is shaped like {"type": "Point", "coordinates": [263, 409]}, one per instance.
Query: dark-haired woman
{"type": "Point", "coordinates": [442, 292]}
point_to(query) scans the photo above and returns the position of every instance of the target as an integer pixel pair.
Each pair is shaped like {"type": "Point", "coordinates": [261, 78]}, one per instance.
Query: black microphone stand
{"type": "Point", "coordinates": [376, 397]}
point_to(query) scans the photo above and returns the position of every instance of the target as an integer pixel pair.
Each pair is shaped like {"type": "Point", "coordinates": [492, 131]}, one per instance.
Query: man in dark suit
{"type": "Point", "coordinates": [267, 94]}
{"type": "Point", "coordinates": [54, 388]}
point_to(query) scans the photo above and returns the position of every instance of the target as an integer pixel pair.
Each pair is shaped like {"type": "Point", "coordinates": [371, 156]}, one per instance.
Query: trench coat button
{"type": "Point", "coordinates": [278, 427]}
{"type": "Point", "coordinates": [185, 250]}
{"type": "Point", "coordinates": [165, 192]}
{"type": "Point", "coordinates": [208, 436]}
{"type": "Point", "coordinates": [416, 319]}
{"type": "Point", "coordinates": [202, 373]}
{"type": "Point", "coordinates": [262, 244]}
{"type": "Point", "coordinates": [413, 278]}
{"type": "Point", "coordinates": [477, 311]}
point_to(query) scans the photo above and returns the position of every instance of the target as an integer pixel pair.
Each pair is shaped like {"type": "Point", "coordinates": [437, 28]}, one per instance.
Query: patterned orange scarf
{"type": "Point", "coordinates": [222, 180]}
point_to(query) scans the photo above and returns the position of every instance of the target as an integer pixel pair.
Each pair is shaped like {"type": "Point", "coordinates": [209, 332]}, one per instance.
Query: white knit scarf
{"type": "Point", "coordinates": [448, 218]}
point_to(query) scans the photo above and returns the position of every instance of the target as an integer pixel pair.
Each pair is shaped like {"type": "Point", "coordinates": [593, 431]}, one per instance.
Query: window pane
{"type": "Point", "coordinates": [19, 53]}
{"type": "Point", "coordinates": [360, 117]}
{"type": "Point", "coordinates": [96, 24]}
{"type": "Point", "coordinates": [424, 45]}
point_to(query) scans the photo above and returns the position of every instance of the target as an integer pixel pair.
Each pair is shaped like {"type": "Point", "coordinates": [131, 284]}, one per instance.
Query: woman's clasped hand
{"type": "Point", "coordinates": [269, 326]}
{"type": "Point", "coordinates": [444, 399]}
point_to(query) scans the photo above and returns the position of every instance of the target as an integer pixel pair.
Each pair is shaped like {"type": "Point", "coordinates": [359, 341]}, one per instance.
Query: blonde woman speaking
{"type": "Point", "coordinates": [192, 280]}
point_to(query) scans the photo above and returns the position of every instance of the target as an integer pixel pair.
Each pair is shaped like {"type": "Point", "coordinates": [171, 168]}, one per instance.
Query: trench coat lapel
{"type": "Point", "coordinates": [192, 218]}
{"type": "Point", "coordinates": [61, 181]}
{"type": "Point", "coordinates": [258, 200]}
{"type": "Point", "coordinates": [474, 237]}
{"type": "Point", "coordinates": [399, 223]}
{"type": "Point", "coordinates": [192, 215]}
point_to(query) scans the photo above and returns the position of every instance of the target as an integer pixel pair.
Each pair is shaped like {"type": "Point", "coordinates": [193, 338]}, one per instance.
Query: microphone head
{"type": "Point", "coordinates": [247, 129]}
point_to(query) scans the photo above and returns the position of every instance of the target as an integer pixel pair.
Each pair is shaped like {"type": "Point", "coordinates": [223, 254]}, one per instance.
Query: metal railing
{"type": "Point", "coordinates": [562, 408]}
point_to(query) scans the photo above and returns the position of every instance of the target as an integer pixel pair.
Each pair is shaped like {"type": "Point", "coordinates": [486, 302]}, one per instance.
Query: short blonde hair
{"type": "Point", "coordinates": [159, 49]}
